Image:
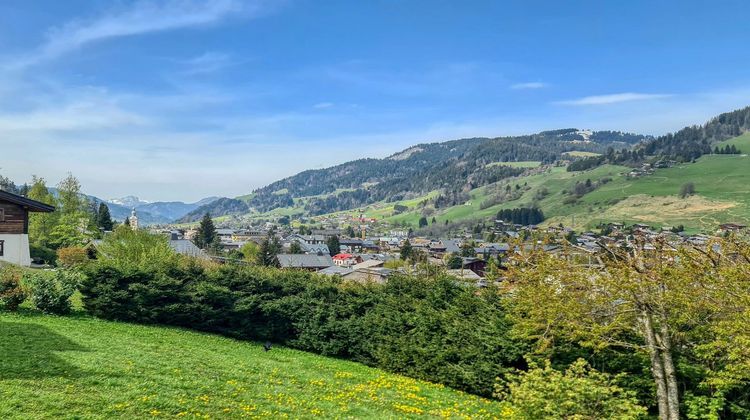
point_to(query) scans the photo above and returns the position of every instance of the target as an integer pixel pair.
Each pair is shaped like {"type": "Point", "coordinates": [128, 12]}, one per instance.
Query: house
{"type": "Point", "coordinates": [464, 274]}
{"type": "Point", "coordinates": [14, 227]}
{"type": "Point", "coordinates": [327, 233]}
{"type": "Point", "coordinates": [492, 249]}
{"type": "Point", "coordinates": [474, 264]}
{"type": "Point", "coordinates": [731, 227]}
{"type": "Point", "coordinates": [346, 260]}
{"type": "Point", "coordinates": [335, 271]}
{"type": "Point", "coordinates": [309, 262]}
{"type": "Point", "coordinates": [368, 264]}
{"type": "Point", "coordinates": [367, 275]}
{"type": "Point", "coordinates": [319, 249]}
{"type": "Point", "coordinates": [225, 235]}
{"type": "Point", "coordinates": [185, 247]}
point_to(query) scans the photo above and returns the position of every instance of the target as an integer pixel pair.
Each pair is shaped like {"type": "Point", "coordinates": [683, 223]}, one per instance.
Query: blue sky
{"type": "Point", "coordinates": [181, 99]}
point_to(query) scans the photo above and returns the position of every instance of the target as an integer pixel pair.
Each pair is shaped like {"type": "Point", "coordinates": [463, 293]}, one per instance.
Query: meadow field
{"type": "Point", "coordinates": [79, 367]}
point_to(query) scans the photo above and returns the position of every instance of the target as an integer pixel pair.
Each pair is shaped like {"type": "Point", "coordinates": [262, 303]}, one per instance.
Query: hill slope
{"type": "Point", "coordinates": [454, 165]}
{"type": "Point", "coordinates": [56, 367]}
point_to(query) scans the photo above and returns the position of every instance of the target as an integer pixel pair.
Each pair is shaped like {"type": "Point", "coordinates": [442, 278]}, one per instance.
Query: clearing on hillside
{"type": "Point", "coordinates": [78, 367]}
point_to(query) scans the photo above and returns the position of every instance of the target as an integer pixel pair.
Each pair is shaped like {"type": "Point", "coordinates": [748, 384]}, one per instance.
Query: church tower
{"type": "Point", "coordinates": [133, 220]}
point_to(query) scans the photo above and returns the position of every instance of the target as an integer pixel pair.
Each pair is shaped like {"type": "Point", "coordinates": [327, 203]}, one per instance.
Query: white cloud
{"type": "Point", "coordinates": [144, 17]}
{"type": "Point", "coordinates": [209, 62]}
{"type": "Point", "coordinates": [613, 98]}
{"type": "Point", "coordinates": [323, 105]}
{"type": "Point", "coordinates": [528, 85]}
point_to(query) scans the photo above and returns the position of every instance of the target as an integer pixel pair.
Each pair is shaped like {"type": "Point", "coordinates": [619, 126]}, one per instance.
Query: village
{"type": "Point", "coordinates": [372, 252]}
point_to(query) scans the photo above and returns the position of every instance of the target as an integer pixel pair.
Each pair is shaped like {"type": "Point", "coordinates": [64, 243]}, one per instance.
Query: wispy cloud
{"type": "Point", "coordinates": [323, 105]}
{"type": "Point", "coordinates": [613, 98]}
{"type": "Point", "coordinates": [528, 85]}
{"type": "Point", "coordinates": [142, 18]}
{"type": "Point", "coordinates": [206, 63]}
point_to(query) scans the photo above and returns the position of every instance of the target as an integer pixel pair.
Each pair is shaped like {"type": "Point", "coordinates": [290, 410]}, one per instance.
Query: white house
{"type": "Point", "coordinates": [14, 227]}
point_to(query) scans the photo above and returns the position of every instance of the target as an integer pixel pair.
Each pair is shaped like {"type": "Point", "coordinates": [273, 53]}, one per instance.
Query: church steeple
{"type": "Point", "coordinates": [133, 220]}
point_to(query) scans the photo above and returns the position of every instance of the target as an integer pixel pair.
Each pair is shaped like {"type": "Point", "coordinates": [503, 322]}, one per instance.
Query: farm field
{"type": "Point", "coordinates": [78, 367]}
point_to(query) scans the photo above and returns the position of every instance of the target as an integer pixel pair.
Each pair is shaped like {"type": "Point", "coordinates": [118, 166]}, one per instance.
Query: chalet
{"type": "Point", "coordinates": [368, 264]}
{"type": "Point", "coordinates": [474, 264]}
{"type": "Point", "coordinates": [346, 260]}
{"type": "Point", "coordinates": [14, 227]}
{"type": "Point", "coordinates": [731, 227]}
{"type": "Point", "coordinates": [492, 249]}
{"type": "Point", "coordinates": [319, 249]}
{"type": "Point", "coordinates": [327, 233]}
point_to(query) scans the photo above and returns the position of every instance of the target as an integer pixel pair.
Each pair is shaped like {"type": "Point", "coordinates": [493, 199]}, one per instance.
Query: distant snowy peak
{"type": "Point", "coordinates": [129, 201]}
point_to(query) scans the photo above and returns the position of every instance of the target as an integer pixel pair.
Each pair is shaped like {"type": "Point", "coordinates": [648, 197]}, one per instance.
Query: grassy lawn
{"type": "Point", "coordinates": [78, 367]}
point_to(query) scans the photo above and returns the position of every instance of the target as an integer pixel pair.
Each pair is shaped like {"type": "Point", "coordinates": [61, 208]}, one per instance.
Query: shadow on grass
{"type": "Point", "coordinates": [29, 351]}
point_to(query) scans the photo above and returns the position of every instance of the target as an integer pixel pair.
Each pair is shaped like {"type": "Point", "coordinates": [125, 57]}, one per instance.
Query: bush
{"type": "Point", "coordinates": [43, 255]}
{"type": "Point", "coordinates": [72, 256]}
{"type": "Point", "coordinates": [429, 328]}
{"type": "Point", "coordinates": [580, 392]}
{"type": "Point", "coordinates": [51, 290]}
{"type": "Point", "coordinates": [12, 292]}
{"type": "Point", "coordinates": [128, 248]}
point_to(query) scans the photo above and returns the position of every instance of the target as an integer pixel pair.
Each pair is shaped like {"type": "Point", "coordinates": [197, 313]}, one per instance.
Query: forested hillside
{"type": "Point", "coordinates": [453, 166]}
{"type": "Point", "coordinates": [216, 208]}
{"type": "Point", "coordinates": [685, 145]}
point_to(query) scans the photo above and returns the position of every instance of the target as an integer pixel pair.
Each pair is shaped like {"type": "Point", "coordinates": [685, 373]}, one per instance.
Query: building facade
{"type": "Point", "coordinates": [14, 227]}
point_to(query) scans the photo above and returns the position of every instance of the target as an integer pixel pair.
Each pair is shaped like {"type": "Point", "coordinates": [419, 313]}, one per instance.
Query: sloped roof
{"type": "Point", "coordinates": [186, 247]}
{"type": "Point", "coordinates": [368, 264]}
{"type": "Point", "coordinates": [32, 205]}
{"type": "Point", "coordinates": [304, 261]}
{"type": "Point", "coordinates": [335, 271]}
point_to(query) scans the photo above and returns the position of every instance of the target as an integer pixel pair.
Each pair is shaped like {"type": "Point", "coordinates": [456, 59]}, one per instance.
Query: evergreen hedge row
{"type": "Point", "coordinates": [435, 328]}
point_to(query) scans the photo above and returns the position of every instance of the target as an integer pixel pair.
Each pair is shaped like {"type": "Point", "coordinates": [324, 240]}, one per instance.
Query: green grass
{"type": "Point", "coordinates": [742, 142]}
{"type": "Point", "coordinates": [578, 153]}
{"type": "Point", "coordinates": [521, 164]}
{"type": "Point", "coordinates": [78, 367]}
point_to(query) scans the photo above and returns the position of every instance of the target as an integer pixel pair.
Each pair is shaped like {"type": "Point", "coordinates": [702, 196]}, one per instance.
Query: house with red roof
{"type": "Point", "coordinates": [346, 260]}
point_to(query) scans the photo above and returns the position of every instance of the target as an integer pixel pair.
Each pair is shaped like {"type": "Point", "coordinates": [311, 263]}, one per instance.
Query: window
{"type": "Point", "coordinates": [2, 248]}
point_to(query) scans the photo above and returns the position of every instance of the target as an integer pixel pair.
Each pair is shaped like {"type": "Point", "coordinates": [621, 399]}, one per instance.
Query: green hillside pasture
{"type": "Point", "coordinates": [57, 367]}
{"type": "Point", "coordinates": [578, 153]}
{"type": "Point", "coordinates": [722, 184]}
{"type": "Point", "coordinates": [742, 142]}
{"type": "Point", "coordinates": [384, 211]}
{"type": "Point", "coordinates": [521, 164]}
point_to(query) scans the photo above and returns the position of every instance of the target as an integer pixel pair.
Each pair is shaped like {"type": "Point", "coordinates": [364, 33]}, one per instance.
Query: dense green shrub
{"type": "Point", "coordinates": [577, 393]}
{"type": "Point", "coordinates": [430, 328]}
{"type": "Point", "coordinates": [12, 292]}
{"type": "Point", "coordinates": [43, 255]}
{"type": "Point", "coordinates": [73, 256]}
{"type": "Point", "coordinates": [51, 290]}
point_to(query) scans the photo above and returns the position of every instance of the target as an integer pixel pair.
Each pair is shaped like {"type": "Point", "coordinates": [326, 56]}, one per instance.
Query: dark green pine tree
{"type": "Point", "coordinates": [295, 248]}
{"type": "Point", "coordinates": [269, 249]}
{"type": "Point", "coordinates": [206, 235]}
{"type": "Point", "coordinates": [104, 218]}
{"type": "Point", "coordinates": [406, 250]}
{"type": "Point", "coordinates": [422, 222]}
{"type": "Point", "coordinates": [350, 232]}
{"type": "Point", "coordinates": [334, 246]}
